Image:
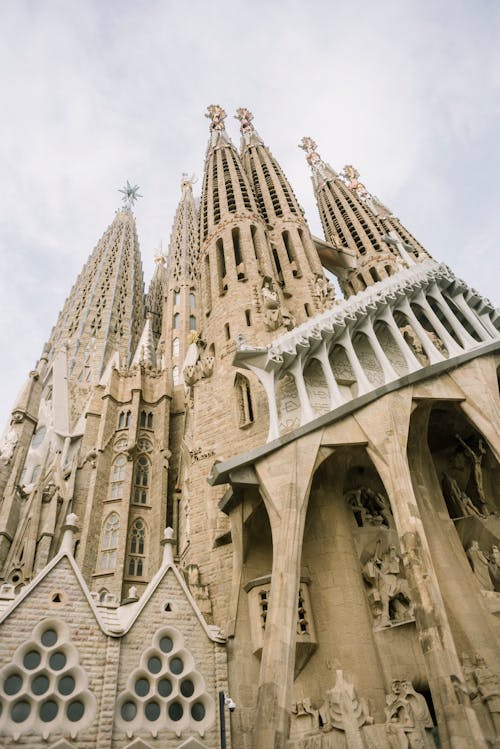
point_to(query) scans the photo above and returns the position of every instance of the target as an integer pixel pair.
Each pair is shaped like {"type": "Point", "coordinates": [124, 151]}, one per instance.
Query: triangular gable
{"type": "Point", "coordinates": [191, 743]}
{"type": "Point", "coordinates": [138, 744]}
{"type": "Point", "coordinates": [73, 575]}
{"type": "Point", "coordinates": [211, 632]}
{"type": "Point", "coordinates": [62, 744]}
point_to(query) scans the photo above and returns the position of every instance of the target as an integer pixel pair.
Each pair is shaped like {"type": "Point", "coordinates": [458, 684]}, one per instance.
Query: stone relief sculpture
{"type": "Point", "coordinates": [408, 720]}
{"type": "Point", "coordinates": [414, 343]}
{"type": "Point", "coordinates": [344, 710]}
{"type": "Point", "coordinates": [370, 507]}
{"type": "Point", "coordinates": [494, 567]}
{"type": "Point", "coordinates": [305, 717]}
{"type": "Point", "coordinates": [458, 503]}
{"type": "Point", "coordinates": [476, 461]}
{"type": "Point", "coordinates": [324, 291]}
{"type": "Point", "coordinates": [483, 688]}
{"type": "Point", "coordinates": [8, 445]}
{"type": "Point", "coordinates": [270, 300]}
{"type": "Point", "coordinates": [389, 593]}
{"type": "Point", "coordinates": [480, 565]}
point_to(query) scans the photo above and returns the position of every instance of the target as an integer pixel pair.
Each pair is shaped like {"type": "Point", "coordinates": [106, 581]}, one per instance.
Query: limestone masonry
{"type": "Point", "coordinates": [240, 511]}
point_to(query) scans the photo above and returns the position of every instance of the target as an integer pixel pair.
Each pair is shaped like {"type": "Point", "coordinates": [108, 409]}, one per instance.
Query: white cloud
{"type": "Point", "coordinates": [96, 93]}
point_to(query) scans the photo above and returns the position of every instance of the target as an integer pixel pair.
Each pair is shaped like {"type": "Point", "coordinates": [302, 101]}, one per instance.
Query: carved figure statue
{"type": "Point", "coordinates": [324, 290]}
{"type": "Point", "coordinates": [370, 507]}
{"type": "Point", "coordinates": [269, 295]}
{"type": "Point", "coordinates": [245, 117]}
{"type": "Point", "coordinates": [476, 460]}
{"type": "Point", "coordinates": [413, 342]}
{"type": "Point", "coordinates": [488, 687]}
{"type": "Point", "coordinates": [289, 321]}
{"type": "Point", "coordinates": [480, 565]}
{"type": "Point", "coordinates": [389, 589]}
{"type": "Point", "coordinates": [494, 567]}
{"type": "Point", "coordinates": [304, 717]}
{"type": "Point", "coordinates": [344, 710]}
{"type": "Point", "coordinates": [8, 445]}
{"type": "Point", "coordinates": [408, 721]}
{"type": "Point", "coordinates": [457, 501]}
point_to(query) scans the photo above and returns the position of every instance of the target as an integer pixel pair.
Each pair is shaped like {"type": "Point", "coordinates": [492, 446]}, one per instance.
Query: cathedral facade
{"type": "Point", "coordinates": [244, 510]}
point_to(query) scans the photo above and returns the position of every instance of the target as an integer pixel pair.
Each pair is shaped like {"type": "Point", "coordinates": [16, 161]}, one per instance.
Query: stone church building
{"type": "Point", "coordinates": [246, 511]}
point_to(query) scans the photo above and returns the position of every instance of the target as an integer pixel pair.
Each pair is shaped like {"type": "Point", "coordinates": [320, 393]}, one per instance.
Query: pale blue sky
{"type": "Point", "coordinates": [99, 92]}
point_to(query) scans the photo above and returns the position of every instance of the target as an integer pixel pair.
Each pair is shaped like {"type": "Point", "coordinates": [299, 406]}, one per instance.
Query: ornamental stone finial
{"type": "Point", "coordinates": [130, 195]}
{"type": "Point", "coordinates": [350, 176]}
{"type": "Point", "coordinates": [307, 144]}
{"type": "Point", "coordinates": [217, 115]}
{"type": "Point", "coordinates": [245, 117]}
{"type": "Point", "coordinates": [187, 181]}
{"type": "Point", "coordinates": [314, 159]}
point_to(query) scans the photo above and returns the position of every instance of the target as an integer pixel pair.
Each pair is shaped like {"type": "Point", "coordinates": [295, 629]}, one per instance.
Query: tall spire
{"type": "Point", "coordinates": [296, 262]}
{"type": "Point", "coordinates": [355, 220]}
{"type": "Point", "coordinates": [181, 310]}
{"type": "Point", "coordinates": [156, 293]}
{"type": "Point", "coordinates": [104, 311]}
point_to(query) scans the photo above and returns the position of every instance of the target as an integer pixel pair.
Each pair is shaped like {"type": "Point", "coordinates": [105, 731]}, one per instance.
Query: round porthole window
{"type": "Point", "coordinates": [187, 688]}
{"type": "Point", "coordinates": [152, 711]}
{"type": "Point", "coordinates": [154, 665]}
{"type": "Point", "coordinates": [75, 711]}
{"type": "Point", "coordinates": [176, 665]}
{"type": "Point", "coordinates": [13, 684]}
{"type": "Point", "coordinates": [66, 685]}
{"type": "Point", "coordinates": [31, 660]}
{"type": "Point", "coordinates": [49, 638]}
{"type": "Point", "coordinates": [175, 711]}
{"type": "Point", "coordinates": [166, 644]}
{"type": "Point", "coordinates": [57, 661]}
{"type": "Point", "coordinates": [164, 687]}
{"type": "Point", "coordinates": [20, 711]}
{"type": "Point", "coordinates": [48, 711]}
{"type": "Point", "coordinates": [198, 711]}
{"type": "Point", "coordinates": [141, 687]}
{"type": "Point", "coordinates": [40, 684]}
{"type": "Point", "coordinates": [128, 711]}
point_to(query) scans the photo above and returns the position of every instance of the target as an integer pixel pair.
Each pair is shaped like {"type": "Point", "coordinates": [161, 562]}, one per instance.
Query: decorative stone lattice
{"type": "Point", "coordinates": [165, 691]}
{"type": "Point", "coordinates": [44, 690]}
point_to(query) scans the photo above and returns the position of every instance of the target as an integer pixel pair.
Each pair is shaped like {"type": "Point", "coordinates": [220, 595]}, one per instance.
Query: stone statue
{"type": "Point", "coordinates": [494, 567]}
{"type": "Point", "coordinates": [414, 343]}
{"type": "Point", "coordinates": [289, 321]}
{"type": "Point", "coordinates": [488, 688]}
{"type": "Point", "coordinates": [350, 176]}
{"type": "Point", "coordinates": [8, 445]}
{"type": "Point", "coordinates": [370, 507]}
{"type": "Point", "coordinates": [457, 501]}
{"type": "Point", "coordinates": [480, 565]}
{"type": "Point", "coordinates": [304, 718]}
{"type": "Point", "coordinates": [408, 721]}
{"type": "Point", "coordinates": [343, 710]}
{"type": "Point", "coordinates": [245, 117]}
{"type": "Point", "coordinates": [390, 594]}
{"type": "Point", "coordinates": [476, 460]}
{"type": "Point", "coordinates": [324, 290]}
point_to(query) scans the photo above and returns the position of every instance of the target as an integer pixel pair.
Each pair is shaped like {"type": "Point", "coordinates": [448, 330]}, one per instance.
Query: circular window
{"type": "Point", "coordinates": [166, 644]}
{"type": "Point", "coordinates": [141, 687]}
{"type": "Point", "coordinates": [48, 711]}
{"type": "Point", "coordinates": [20, 711]}
{"type": "Point", "coordinates": [57, 661]}
{"type": "Point", "coordinates": [66, 685]}
{"type": "Point", "coordinates": [164, 687]}
{"type": "Point", "coordinates": [198, 711]}
{"type": "Point", "coordinates": [175, 711]}
{"type": "Point", "coordinates": [152, 711]}
{"type": "Point", "coordinates": [13, 684]}
{"type": "Point", "coordinates": [31, 660]}
{"type": "Point", "coordinates": [75, 711]}
{"type": "Point", "coordinates": [176, 666]}
{"type": "Point", "coordinates": [40, 684]}
{"type": "Point", "coordinates": [49, 638]}
{"type": "Point", "coordinates": [154, 665]}
{"type": "Point", "coordinates": [128, 711]}
{"type": "Point", "coordinates": [187, 688]}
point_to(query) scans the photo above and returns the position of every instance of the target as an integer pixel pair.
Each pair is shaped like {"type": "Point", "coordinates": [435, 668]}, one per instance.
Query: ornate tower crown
{"type": "Point", "coordinates": [217, 115]}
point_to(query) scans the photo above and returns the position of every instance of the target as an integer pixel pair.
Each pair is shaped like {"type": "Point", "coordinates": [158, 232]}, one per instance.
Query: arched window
{"type": "Point", "coordinates": [244, 400]}
{"type": "Point", "coordinates": [175, 348]}
{"type": "Point", "coordinates": [124, 419]}
{"type": "Point", "coordinates": [118, 476]}
{"type": "Point", "coordinates": [175, 375]}
{"type": "Point", "coordinates": [177, 297]}
{"type": "Point", "coordinates": [177, 321]}
{"type": "Point", "coordinates": [192, 322]}
{"type": "Point", "coordinates": [146, 419]}
{"type": "Point", "coordinates": [141, 480]}
{"type": "Point", "coordinates": [109, 543]}
{"type": "Point", "coordinates": [136, 548]}
{"type": "Point", "coordinates": [192, 300]}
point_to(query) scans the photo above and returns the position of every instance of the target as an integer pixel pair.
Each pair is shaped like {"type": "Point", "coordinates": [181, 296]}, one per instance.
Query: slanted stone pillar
{"type": "Point", "coordinates": [386, 426]}
{"type": "Point", "coordinates": [285, 480]}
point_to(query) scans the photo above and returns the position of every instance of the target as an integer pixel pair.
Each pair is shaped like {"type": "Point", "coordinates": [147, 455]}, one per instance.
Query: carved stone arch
{"type": "Point", "coordinates": [244, 403]}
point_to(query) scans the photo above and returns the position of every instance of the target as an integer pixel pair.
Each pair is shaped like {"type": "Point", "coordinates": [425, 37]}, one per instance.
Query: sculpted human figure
{"type": "Point", "coordinates": [488, 687]}
{"type": "Point", "coordinates": [384, 575]}
{"type": "Point", "coordinates": [476, 461]}
{"type": "Point", "coordinates": [370, 507]}
{"type": "Point", "coordinates": [457, 501]}
{"type": "Point", "coordinates": [494, 567]}
{"type": "Point", "coordinates": [408, 720]}
{"type": "Point", "coordinates": [480, 565]}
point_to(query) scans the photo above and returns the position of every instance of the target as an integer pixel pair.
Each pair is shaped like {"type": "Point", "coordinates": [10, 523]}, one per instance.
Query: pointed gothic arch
{"type": "Point", "coordinates": [109, 542]}
{"type": "Point", "coordinates": [136, 548]}
{"type": "Point", "coordinates": [243, 400]}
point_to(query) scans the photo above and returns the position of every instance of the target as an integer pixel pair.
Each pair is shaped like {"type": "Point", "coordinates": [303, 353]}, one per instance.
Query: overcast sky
{"type": "Point", "coordinates": [94, 93]}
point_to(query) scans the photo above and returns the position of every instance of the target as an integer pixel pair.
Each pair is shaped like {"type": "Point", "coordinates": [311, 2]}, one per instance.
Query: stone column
{"type": "Point", "coordinates": [432, 353]}
{"type": "Point", "coordinates": [364, 384]}
{"type": "Point", "coordinates": [447, 338]}
{"type": "Point", "coordinates": [386, 426]}
{"type": "Point", "coordinates": [471, 317]}
{"type": "Point", "coordinates": [464, 336]}
{"type": "Point", "coordinates": [387, 368]}
{"type": "Point", "coordinates": [306, 412]}
{"type": "Point", "coordinates": [321, 355]}
{"type": "Point", "coordinates": [411, 360]}
{"type": "Point", "coordinates": [285, 480]}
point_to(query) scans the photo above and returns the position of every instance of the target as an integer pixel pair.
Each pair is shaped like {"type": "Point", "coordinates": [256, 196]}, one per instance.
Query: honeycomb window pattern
{"type": "Point", "coordinates": [165, 692]}
{"type": "Point", "coordinates": [44, 690]}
